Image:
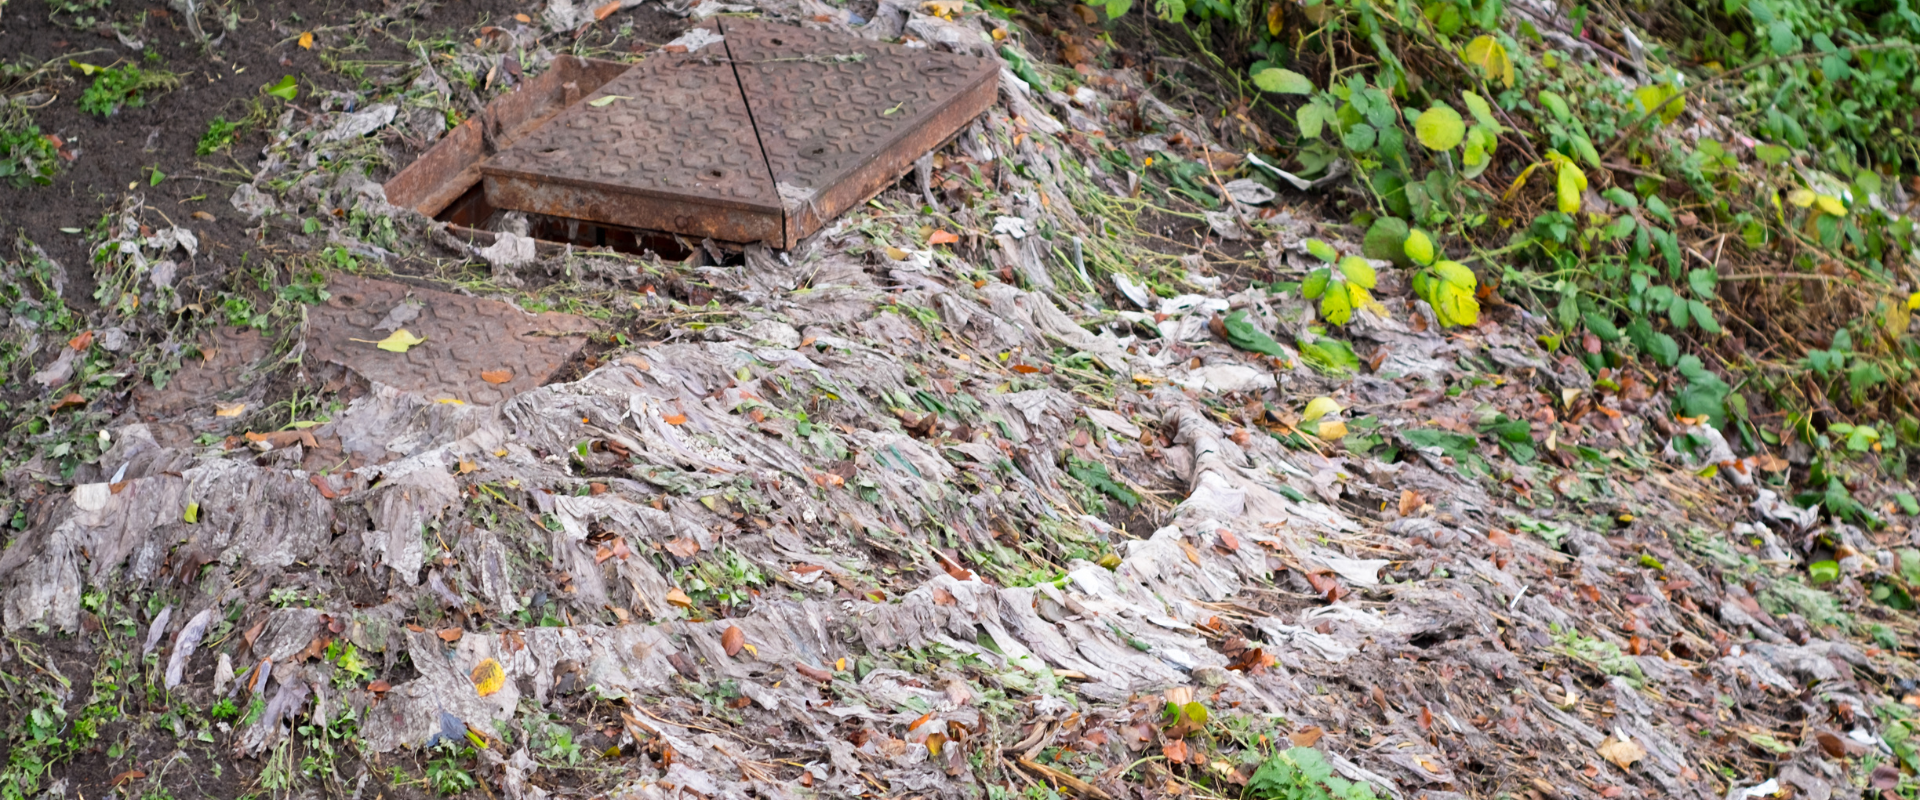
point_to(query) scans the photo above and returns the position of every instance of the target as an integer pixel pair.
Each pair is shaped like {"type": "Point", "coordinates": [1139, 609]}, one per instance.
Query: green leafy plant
{"type": "Point", "coordinates": [447, 773]}
{"type": "Point", "coordinates": [26, 155]}
{"type": "Point", "coordinates": [220, 135]}
{"type": "Point", "coordinates": [1302, 773]}
{"type": "Point", "coordinates": [129, 86]}
{"type": "Point", "coordinates": [1343, 287]}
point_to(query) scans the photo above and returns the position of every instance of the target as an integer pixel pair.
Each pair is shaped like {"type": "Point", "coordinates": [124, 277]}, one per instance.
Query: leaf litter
{"type": "Point", "coordinates": [835, 540]}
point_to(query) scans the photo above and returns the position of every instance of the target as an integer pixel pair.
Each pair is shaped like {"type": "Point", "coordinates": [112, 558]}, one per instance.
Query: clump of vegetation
{"type": "Point", "coordinates": [26, 155]}
{"type": "Point", "coordinates": [220, 135]}
{"type": "Point", "coordinates": [129, 86]}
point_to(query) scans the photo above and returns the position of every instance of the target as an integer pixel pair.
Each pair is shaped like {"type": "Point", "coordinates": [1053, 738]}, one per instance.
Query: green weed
{"type": "Point", "coordinates": [114, 88]}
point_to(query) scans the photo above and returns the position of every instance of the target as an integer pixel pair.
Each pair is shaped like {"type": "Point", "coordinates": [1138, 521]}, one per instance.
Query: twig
{"type": "Point", "coordinates": [1081, 787]}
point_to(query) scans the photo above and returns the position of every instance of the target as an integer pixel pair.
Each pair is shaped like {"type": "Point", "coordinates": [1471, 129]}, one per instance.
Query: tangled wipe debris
{"type": "Point", "coordinates": [879, 517]}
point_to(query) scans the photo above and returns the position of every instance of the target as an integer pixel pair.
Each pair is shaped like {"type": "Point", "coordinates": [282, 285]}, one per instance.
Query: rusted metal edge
{"type": "Point", "coordinates": [868, 180]}
{"type": "Point", "coordinates": [452, 165]}
{"type": "Point", "coordinates": [647, 211]}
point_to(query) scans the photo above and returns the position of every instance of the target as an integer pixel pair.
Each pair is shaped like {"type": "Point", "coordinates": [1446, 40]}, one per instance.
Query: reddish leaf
{"type": "Point", "coordinates": [1228, 541]}
{"type": "Point", "coordinates": [732, 639]}
{"type": "Point", "coordinates": [81, 342]}
{"type": "Point", "coordinates": [132, 774]}
{"type": "Point", "coordinates": [1175, 751]}
{"type": "Point", "coordinates": [684, 547]}
{"type": "Point", "coordinates": [606, 11]}
{"type": "Point", "coordinates": [815, 673]}
{"type": "Point", "coordinates": [1307, 736]}
{"type": "Point", "coordinates": [919, 722]}
{"type": "Point", "coordinates": [72, 400]}
{"type": "Point", "coordinates": [324, 486]}
{"type": "Point", "coordinates": [1426, 718]}
{"type": "Point", "coordinates": [942, 597]}
{"type": "Point", "coordinates": [379, 686]}
{"type": "Point", "coordinates": [1025, 369]}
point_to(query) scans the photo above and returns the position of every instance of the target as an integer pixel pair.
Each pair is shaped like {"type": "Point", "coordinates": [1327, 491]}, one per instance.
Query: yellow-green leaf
{"type": "Point", "coordinates": [1651, 96]}
{"type": "Point", "coordinates": [1800, 197]}
{"type": "Point", "coordinates": [1440, 128]}
{"type": "Point", "coordinates": [193, 514]}
{"type": "Point", "coordinates": [1481, 110]}
{"type": "Point", "coordinates": [1319, 407]}
{"type": "Point", "coordinates": [1282, 81]}
{"type": "Point", "coordinates": [1321, 250]}
{"type": "Point", "coordinates": [399, 341]}
{"type": "Point", "coordinates": [1568, 187]}
{"type": "Point", "coordinates": [1358, 271]}
{"type": "Point", "coordinates": [1490, 57]}
{"type": "Point", "coordinates": [1337, 305]}
{"type": "Point", "coordinates": [602, 102]}
{"type": "Point", "coordinates": [1419, 246]}
{"type": "Point", "coordinates": [1830, 204]}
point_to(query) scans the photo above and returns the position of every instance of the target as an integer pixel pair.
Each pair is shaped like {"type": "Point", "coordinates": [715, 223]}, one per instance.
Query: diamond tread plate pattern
{"type": "Point", "coordinates": [677, 128]}
{"type": "Point", "coordinates": [826, 104]}
{"type": "Point", "coordinates": [465, 337]}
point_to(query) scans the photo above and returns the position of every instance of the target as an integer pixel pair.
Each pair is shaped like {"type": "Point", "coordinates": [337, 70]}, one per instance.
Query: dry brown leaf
{"type": "Point", "coordinates": [942, 597]}
{"type": "Point", "coordinates": [1307, 736]}
{"type": "Point", "coordinates": [306, 40]}
{"type": "Point", "coordinates": [467, 467]}
{"type": "Point", "coordinates": [942, 237]}
{"type": "Point", "coordinates": [450, 635]}
{"type": "Point", "coordinates": [1622, 752]}
{"type": "Point", "coordinates": [203, 216]}
{"type": "Point", "coordinates": [522, 18]}
{"type": "Point", "coordinates": [496, 376]}
{"type": "Point", "coordinates": [606, 11]}
{"type": "Point", "coordinates": [683, 547]}
{"type": "Point", "coordinates": [732, 639]}
{"type": "Point", "coordinates": [81, 342]}
{"type": "Point", "coordinates": [1175, 751]}
{"type": "Point", "coordinates": [1410, 501]}
{"type": "Point", "coordinates": [815, 673]}
{"type": "Point", "coordinates": [677, 419]}
{"type": "Point", "coordinates": [679, 598]}
{"type": "Point", "coordinates": [229, 409]}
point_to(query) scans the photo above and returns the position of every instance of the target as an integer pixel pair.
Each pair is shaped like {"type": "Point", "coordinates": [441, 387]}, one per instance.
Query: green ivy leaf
{"type": "Point", "coordinates": [286, 89]}
{"type": "Point", "coordinates": [1440, 128]}
{"type": "Point", "coordinates": [1282, 81]}
{"type": "Point", "coordinates": [1651, 96]}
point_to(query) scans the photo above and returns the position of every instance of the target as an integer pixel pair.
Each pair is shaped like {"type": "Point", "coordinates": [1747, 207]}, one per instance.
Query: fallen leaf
{"type": "Point", "coordinates": [496, 376]}
{"type": "Point", "coordinates": [450, 635]}
{"type": "Point", "coordinates": [919, 722]}
{"type": "Point", "coordinates": [1307, 736]}
{"type": "Point", "coordinates": [684, 547]}
{"type": "Point", "coordinates": [522, 18]}
{"type": "Point", "coordinates": [1319, 407]}
{"type": "Point", "coordinates": [815, 673]}
{"type": "Point", "coordinates": [1410, 501]}
{"type": "Point", "coordinates": [379, 686]}
{"type": "Point", "coordinates": [679, 598]}
{"type": "Point", "coordinates": [488, 677]}
{"type": "Point", "coordinates": [229, 409]}
{"type": "Point", "coordinates": [606, 11]}
{"type": "Point", "coordinates": [306, 40]}
{"type": "Point", "coordinates": [1332, 430]}
{"type": "Point", "coordinates": [603, 102]}
{"type": "Point", "coordinates": [320, 483]}
{"type": "Point", "coordinates": [399, 341]}
{"type": "Point", "coordinates": [72, 400]}
{"type": "Point", "coordinates": [676, 419]}
{"type": "Point", "coordinates": [203, 216]}
{"type": "Point", "coordinates": [1025, 369]}
{"type": "Point", "coordinates": [732, 639]}
{"type": "Point", "coordinates": [81, 342]}
{"type": "Point", "coordinates": [943, 237]}
{"type": "Point", "coordinates": [942, 597]}
{"type": "Point", "coordinates": [132, 774]}
{"type": "Point", "coordinates": [1622, 752]}
{"type": "Point", "coordinates": [1175, 751]}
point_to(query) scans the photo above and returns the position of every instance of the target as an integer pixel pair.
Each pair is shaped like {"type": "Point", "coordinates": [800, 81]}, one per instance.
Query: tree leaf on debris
{"type": "Point", "coordinates": [1094, 474]}
{"type": "Point", "coordinates": [1282, 81]}
{"type": "Point", "coordinates": [488, 677]}
{"type": "Point", "coordinates": [1243, 334]}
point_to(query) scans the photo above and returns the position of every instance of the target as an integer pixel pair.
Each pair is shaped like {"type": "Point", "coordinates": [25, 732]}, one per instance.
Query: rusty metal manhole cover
{"type": "Point", "coordinates": [476, 351]}
{"type": "Point", "coordinates": [763, 135]}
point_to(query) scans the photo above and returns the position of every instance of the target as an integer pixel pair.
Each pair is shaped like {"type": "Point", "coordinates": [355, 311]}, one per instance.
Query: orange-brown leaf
{"type": "Point", "coordinates": [450, 635]}
{"type": "Point", "coordinates": [82, 341]}
{"type": "Point", "coordinates": [606, 11]}
{"type": "Point", "coordinates": [677, 419]}
{"type": "Point", "coordinates": [1175, 751]}
{"type": "Point", "coordinates": [815, 673]}
{"type": "Point", "coordinates": [1025, 369]}
{"type": "Point", "coordinates": [684, 547]}
{"type": "Point", "coordinates": [732, 639]}
{"type": "Point", "coordinates": [496, 376]}
{"type": "Point", "coordinates": [943, 237]}
{"type": "Point", "coordinates": [679, 598]}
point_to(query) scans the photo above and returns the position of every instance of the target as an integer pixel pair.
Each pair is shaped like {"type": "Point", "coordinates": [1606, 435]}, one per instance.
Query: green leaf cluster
{"type": "Point", "coordinates": [1341, 286]}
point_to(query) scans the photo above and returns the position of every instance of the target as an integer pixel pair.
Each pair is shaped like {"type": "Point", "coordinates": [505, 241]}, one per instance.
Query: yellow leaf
{"type": "Point", "coordinates": [1622, 752]}
{"type": "Point", "coordinates": [1913, 301]}
{"type": "Point", "coordinates": [193, 514]}
{"type": "Point", "coordinates": [399, 341]}
{"type": "Point", "coordinates": [1486, 53]}
{"type": "Point", "coordinates": [1800, 197]}
{"type": "Point", "coordinates": [1830, 204]}
{"type": "Point", "coordinates": [467, 467]}
{"type": "Point", "coordinates": [1332, 430]}
{"type": "Point", "coordinates": [306, 40]}
{"type": "Point", "coordinates": [1319, 407]}
{"type": "Point", "coordinates": [229, 409]}
{"type": "Point", "coordinates": [840, 665]}
{"type": "Point", "coordinates": [488, 677]}
{"type": "Point", "coordinates": [751, 650]}
{"type": "Point", "coordinates": [679, 598]}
